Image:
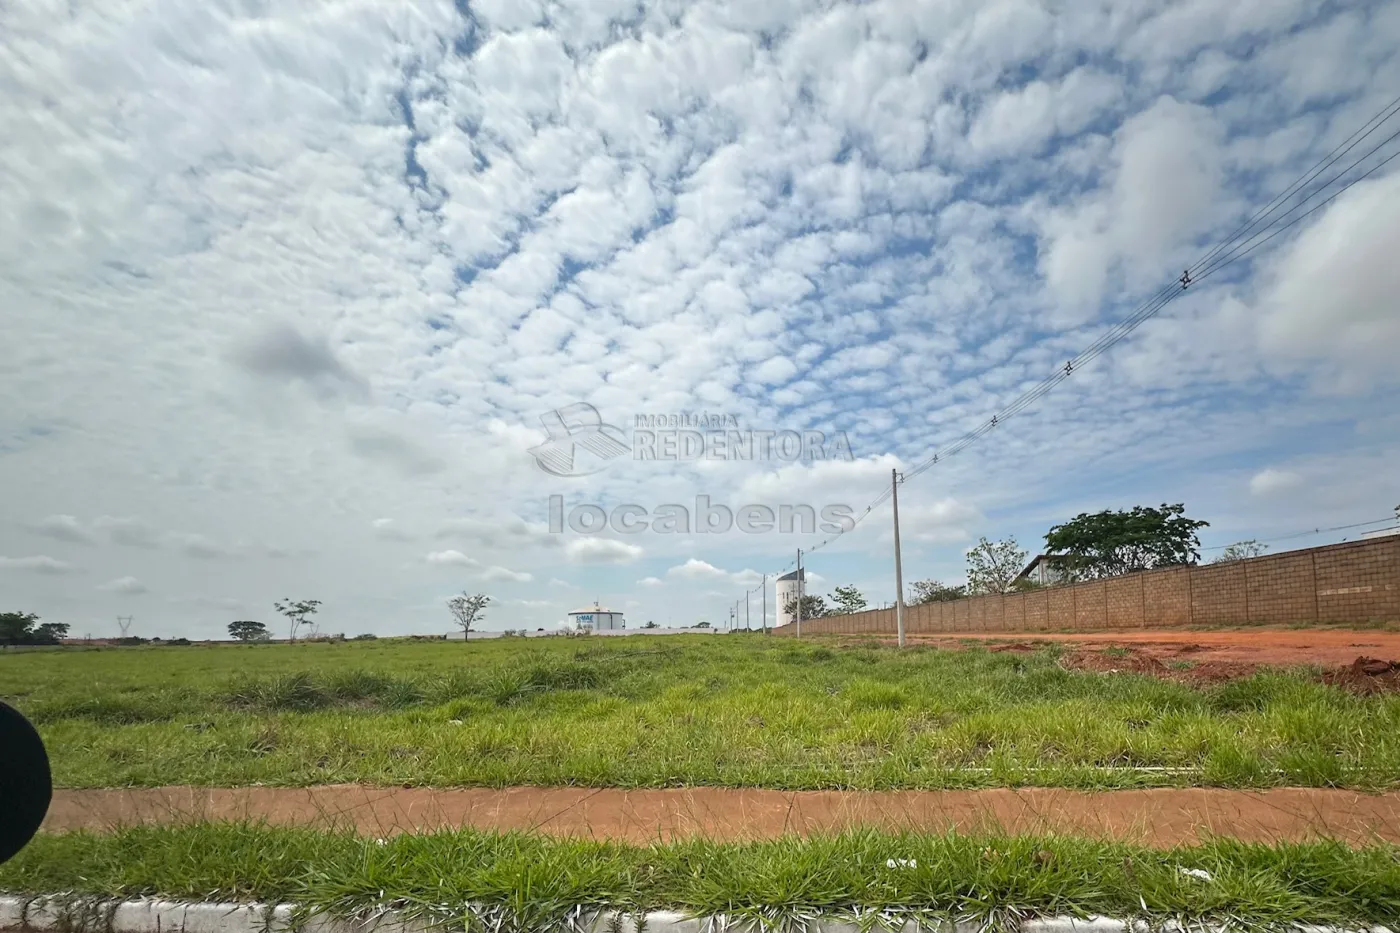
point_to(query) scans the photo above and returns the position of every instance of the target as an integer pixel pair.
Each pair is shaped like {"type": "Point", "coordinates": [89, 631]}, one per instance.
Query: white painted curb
{"type": "Point", "coordinates": [73, 914]}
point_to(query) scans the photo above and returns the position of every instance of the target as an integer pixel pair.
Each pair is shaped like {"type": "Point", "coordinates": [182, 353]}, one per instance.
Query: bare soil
{"type": "Point", "coordinates": [1159, 817]}
{"type": "Point", "coordinates": [1351, 659]}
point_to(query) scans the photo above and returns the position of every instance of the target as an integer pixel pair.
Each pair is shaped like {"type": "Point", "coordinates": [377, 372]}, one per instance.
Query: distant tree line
{"type": "Point", "coordinates": [24, 628]}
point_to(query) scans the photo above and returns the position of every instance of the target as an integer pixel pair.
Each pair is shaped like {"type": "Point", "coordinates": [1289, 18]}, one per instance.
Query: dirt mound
{"type": "Point", "coordinates": [1131, 660]}
{"type": "Point", "coordinates": [1366, 675]}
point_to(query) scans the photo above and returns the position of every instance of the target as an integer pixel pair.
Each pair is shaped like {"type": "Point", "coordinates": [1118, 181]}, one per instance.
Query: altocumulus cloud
{"type": "Point", "coordinates": [355, 293]}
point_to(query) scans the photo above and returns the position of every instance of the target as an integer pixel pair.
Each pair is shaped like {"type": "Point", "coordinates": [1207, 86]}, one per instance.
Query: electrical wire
{"type": "Point", "coordinates": [1229, 250]}
{"type": "Point", "coordinates": [1304, 534]}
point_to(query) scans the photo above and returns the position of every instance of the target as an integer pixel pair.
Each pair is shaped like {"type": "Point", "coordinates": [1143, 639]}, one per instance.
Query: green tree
{"type": "Point", "coordinates": [247, 630]}
{"type": "Point", "coordinates": [468, 609]}
{"type": "Point", "coordinates": [813, 607]}
{"type": "Point", "coordinates": [848, 599]}
{"type": "Point", "coordinates": [651, 624]}
{"type": "Point", "coordinates": [931, 591]}
{"type": "Point", "coordinates": [16, 628]}
{"type": "Point", "coordinates": [1241, 550]}
{"type": "Point", "coordinates": [50, 633]}
{"type": "Point", "coordinates": [1109, 543]}
{"type": "Point", "coordinates": [993, 565]}
{"type": "Point", "coordinates": [297, 612]}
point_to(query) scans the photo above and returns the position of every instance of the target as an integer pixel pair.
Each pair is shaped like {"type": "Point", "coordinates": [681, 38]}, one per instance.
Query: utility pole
{"type": "Point", "coordinates": [124, 623]}
{"type": "Point", "coordinates": [898, 562]}
{"type": "Point", "coordinates": [746, 609]}
{"type": "Point", "coordinates": [799, 592]}
{"type": "Point", "coordinates": [765, 604]}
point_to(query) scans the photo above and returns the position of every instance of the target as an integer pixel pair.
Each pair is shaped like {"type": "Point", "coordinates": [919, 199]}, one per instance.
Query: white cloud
{"type": "Point", "coordinates": [128, 585]}
{"type": "Point", "coordinates": [1271, 482]}
{"type": "Point", "coordinates": [601, 551]}
{"type": "Point", "coordinates": [1333, 291]}
{"type": "Point", "coordinates": [131, 532]}
{"type": "Point", "coordinates": [694, 569]}
{"type": "Point", "coordinates": [40, 563]}
{"type": "Point", "coordinates": [651, 581]}
{"type": "Point", "coordinates": [451, 559]}
{"type": "Point", "coordinates": [199, 546]}
{"type": "Point", "coordinates": [64, 528]}
{"type": "Point", "coordinates": [386, 530]}
{"type": "Point", "coordinates": [502, 574]}
{"type": "Point", "coordinates": [881, 218]}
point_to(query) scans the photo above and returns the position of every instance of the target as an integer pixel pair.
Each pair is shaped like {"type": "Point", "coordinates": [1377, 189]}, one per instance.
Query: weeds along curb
{"type": "Point", "coordinates": [63, 914]}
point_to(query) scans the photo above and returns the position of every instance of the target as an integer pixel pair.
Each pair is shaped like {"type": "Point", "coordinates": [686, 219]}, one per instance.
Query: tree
{"type": "Point", "coordinates": [848, 600]}
{"type": "Point", "coordinates": [702, 624]}
{"type": "Point", "coordinates": [246, 630]}
{"type": "Point", "coordinates": [993, 565]}
{"type": "Point", "coordinates": [50, 633]}
{"type": "Point", "coordinates": [931, 591]}
{"type": "Point", "coordinates": [1241, 550]}
{"type": "Point", "coordinates": [467, 609]}
{"type": "Point", "coordinates": [1106, 544]}
{"type": "Point", "coordinates": [297, 612]}
{"type": "Point", "coordinates": [16, 628]}
{"type": "Point", "coordinates": [24, 628]}
{"type": "Point", "coordinates": [813, 607]}
{"type": "Point", "coordinates": [651, 624]}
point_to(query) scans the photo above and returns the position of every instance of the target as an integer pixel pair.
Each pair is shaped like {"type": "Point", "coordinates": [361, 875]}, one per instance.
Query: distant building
{"type": "Point", "coordinates": [596, 619]}
{"type": "Point", "coordinates": [787, 587]}
{"type": "Point", "coordinates": [1045, 569]}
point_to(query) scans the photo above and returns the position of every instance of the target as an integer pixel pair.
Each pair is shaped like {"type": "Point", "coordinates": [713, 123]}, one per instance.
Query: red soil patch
{"type": "Point", "coordinates": [1202, 658]}
{"type": "Point", "coordinates": [1366, 675]}
{"type": "Point", "coordinates": [1158, 817]}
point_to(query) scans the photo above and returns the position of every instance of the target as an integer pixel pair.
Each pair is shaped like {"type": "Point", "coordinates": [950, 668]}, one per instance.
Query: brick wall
{"type": "Point", "coordinates": [1354, 582]}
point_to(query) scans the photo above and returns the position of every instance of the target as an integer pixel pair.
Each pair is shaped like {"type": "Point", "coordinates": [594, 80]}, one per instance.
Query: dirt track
{"type": "Point", "coordinates": [1160, 817]}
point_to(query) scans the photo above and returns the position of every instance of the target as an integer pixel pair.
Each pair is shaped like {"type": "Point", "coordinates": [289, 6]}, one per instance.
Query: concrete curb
{"type": "Point", "coordinates": [75, 914]}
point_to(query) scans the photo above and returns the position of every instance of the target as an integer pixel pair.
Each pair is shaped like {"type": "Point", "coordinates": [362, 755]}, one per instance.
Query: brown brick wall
{"type": "Point", "coordinates": [1352, 582]}
{"type": "Point", "coordinates": [1123, 596]}
{"type": "Point", "coordinates": [1219, 595]}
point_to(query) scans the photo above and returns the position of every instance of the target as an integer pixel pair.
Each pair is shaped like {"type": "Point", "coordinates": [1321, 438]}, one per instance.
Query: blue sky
{"type": "Point", "coordinates": [288, 288]}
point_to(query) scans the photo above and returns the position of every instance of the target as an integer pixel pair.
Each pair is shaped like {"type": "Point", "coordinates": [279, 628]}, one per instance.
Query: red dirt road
{"type": "Point", "coordinates": [1327, 647]}
{"type": "Point", "coordinates": [1158, 817]}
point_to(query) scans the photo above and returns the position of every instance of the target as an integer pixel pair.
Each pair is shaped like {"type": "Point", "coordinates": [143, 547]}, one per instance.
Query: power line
{"type": "Point", "coordinates": [1229, 250]}
{"type": "Point", "coordinates": [1304, 534]}
{"type": "Point", "coordinates": [1211, 263]}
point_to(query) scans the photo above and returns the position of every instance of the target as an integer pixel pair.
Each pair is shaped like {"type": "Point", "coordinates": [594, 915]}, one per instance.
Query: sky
{"type": "Point", "coordinates": [289, 293]}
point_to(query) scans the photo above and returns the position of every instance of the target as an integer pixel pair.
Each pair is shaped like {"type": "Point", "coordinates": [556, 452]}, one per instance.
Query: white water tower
{"type": "Point", "coordinates": [787, 587]}
{"type": "Point", "coordinates": [595, 619]}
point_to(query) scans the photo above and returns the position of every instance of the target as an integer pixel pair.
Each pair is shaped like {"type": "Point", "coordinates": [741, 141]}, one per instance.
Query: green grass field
{"type": "Point", "coordinates": [515, 882]}
{"type": "Point", "coordinates": [718, 710]}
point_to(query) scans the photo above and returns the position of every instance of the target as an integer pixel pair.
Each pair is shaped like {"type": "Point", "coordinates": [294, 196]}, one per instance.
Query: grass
{"type": "Point", "coordinates": [529, 882]}
{"type": "Point", "coordinates": [719, 710]}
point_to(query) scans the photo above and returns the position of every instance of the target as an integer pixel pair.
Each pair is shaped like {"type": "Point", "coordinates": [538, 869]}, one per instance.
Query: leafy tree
{"type": "Point", "coordinates": [24, 628]}
{"type": "Point", "coordinates": [1241, 550]}
{"type": "Point", "coordinates": [16, 628]}
{"type": "Point", "coordinates": [848, 599]}
{"type": "Point", "coordinates": [1025, 585]}
{"type": "Point", "coordinates": [50, 633]}
{"type": "Point", "coordinates": [702, 624]}
{"type": "Point", "coordinates": [993, 565]}
{"type": "Point", "coordinates": [246, 630]}
{"type": "Point", "coordinates": [813, 607]}
{"type": "Point", "coordinates": [931, 591]}
{"type": "Point", "coordinates": [468, 609]}
{"type": "Point", "coordinates": [297, 612]}
{"type": "Point", "coordinates": [1109, 543]}
{"type": "Point", "coordinates": [651, 624]}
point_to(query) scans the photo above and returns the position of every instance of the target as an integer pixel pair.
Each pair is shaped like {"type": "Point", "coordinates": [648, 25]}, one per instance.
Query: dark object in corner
{"type": "Point", "coordinates": [26, 784]}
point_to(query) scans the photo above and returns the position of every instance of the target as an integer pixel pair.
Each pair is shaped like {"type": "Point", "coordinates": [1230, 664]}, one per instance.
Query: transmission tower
{"type": "Point", "coordinates": [124, 623]}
